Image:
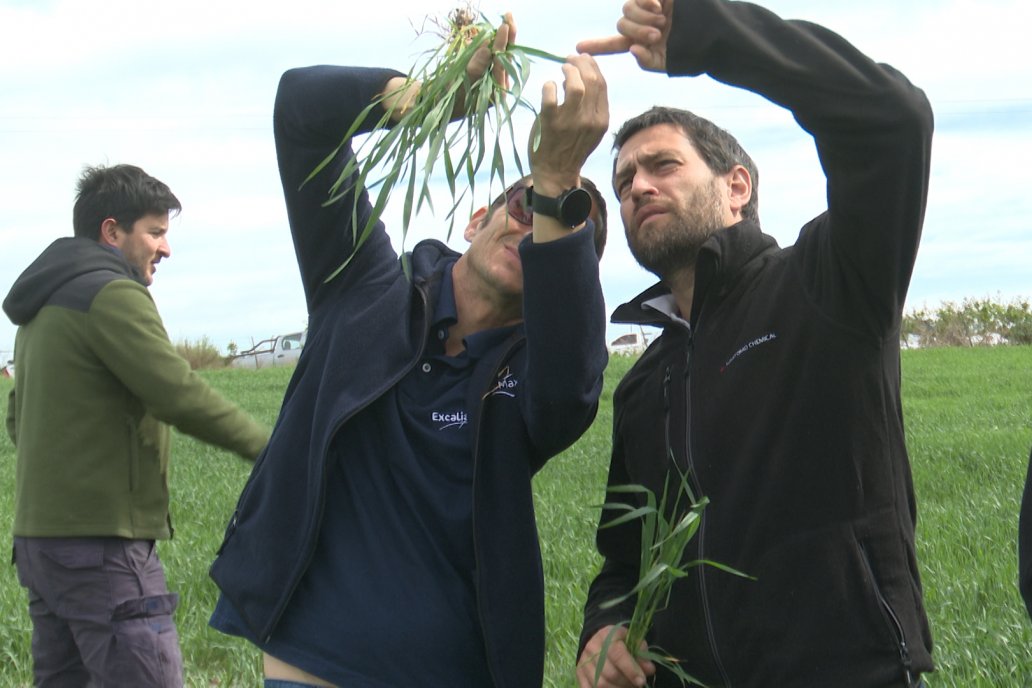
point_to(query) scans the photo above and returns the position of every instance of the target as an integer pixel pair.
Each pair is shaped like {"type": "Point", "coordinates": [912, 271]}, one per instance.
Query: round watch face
{"type": "Point", "coordinates": [574, 206]}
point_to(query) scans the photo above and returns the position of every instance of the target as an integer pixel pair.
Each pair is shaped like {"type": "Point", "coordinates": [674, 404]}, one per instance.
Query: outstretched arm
{"type": "Point", "coordinates": [569, 132]}
{"type": "Point", "coordinates": [563, 308]}
{"type": "Point", "coordinates": [315, 107]}
{"type": "Point", "coordinates": [872, 128]}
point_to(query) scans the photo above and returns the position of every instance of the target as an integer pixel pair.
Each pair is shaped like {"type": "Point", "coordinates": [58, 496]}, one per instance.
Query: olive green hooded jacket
{"type": "Point", "coordinates": [98, 382]}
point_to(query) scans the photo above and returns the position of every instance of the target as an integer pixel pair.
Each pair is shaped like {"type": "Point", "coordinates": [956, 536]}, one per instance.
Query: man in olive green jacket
{"type": "Point", "coordinates": [98, 381]}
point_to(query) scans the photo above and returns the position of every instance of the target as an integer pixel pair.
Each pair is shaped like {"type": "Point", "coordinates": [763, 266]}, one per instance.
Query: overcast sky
{"type": "Point", "coordinates": [185, 89]}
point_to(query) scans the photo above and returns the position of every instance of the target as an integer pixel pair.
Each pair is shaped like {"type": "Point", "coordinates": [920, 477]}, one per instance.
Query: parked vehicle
{"type": "Point", "coordinates": [630, 344]}
{"type": "Point", "coordinates": [280, 350]}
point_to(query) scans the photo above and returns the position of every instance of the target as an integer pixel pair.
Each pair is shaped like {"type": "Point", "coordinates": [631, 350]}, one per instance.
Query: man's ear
{"type": "Point", "coordinates": [739, 189]}
{"type": "Point", "coordinates": [474, 223]}
{"type": "Point", "coordinates": [109, 233]}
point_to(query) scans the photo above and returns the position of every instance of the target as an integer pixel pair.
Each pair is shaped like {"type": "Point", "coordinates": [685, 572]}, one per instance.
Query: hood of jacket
{"type": "Point", "coordinates": [724, 259]}
{"type": "Point", "coordinates": [64, 260]}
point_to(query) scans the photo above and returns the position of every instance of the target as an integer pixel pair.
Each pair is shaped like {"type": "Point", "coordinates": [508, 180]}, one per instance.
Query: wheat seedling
{"type": "Point", "coordinates": [482, 111]}
{"type": "Point", "coordinates": [666, 530]}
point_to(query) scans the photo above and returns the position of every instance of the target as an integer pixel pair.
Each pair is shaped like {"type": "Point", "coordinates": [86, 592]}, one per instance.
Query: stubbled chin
{"type": "Point", "coordinates": [653, 216]}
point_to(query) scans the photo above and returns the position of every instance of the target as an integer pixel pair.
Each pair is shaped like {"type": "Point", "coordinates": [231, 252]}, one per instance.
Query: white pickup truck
{"type": "Point", "coordinates": [283, 349]}
{"type": "Point", "coordinates": [630, 344]}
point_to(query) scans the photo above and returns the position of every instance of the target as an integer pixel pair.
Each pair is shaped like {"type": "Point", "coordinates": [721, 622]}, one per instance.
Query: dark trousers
{"type": "Point", "coordinates": [101, 613]}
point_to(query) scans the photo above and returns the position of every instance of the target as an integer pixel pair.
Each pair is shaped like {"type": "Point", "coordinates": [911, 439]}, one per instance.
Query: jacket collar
{"type": "Point", "coordinates": [723, 259]}
{"type": "Point", "coordinates": [64, 260]}
{"type": "Point", "coordinates": [426, 264]}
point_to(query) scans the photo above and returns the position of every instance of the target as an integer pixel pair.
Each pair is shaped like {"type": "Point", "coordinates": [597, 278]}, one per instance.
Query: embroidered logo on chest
{"type": "Point", "coordinates": [449, 419]}
{"type": "Point", "coordinates": [759, 341]}
{"type": "Point", "coordinates": [505, 385]}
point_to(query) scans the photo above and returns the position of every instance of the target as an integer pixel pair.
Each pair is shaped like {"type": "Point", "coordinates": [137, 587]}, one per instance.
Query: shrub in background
{"type": "Point", "coordinates": [973, 322]}
{"type": "Point", "coordinates": [201, 354]}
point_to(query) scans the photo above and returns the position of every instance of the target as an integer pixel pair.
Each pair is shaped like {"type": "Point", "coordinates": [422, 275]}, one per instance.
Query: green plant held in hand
{"type": "Point", "coordinates": [666, 530]}
{"type": "Point", "coordinates": [482, 110]}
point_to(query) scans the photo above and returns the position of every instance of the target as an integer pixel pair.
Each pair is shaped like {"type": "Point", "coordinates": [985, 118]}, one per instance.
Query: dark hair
{"type": "Point", "coordinates": [123, 192]}
{"type": "Point", "coordinates": [717, 148]}
{"type": "Point", "coordinates": [601, 227]}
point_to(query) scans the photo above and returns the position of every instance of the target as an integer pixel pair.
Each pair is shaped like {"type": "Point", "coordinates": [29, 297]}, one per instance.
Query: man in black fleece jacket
{"type": "Point", "coordinates": [775, 383]}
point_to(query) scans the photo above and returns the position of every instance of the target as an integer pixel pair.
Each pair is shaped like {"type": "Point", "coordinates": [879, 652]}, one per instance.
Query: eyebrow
{"type": "Point", "coordinates": [628, 168]}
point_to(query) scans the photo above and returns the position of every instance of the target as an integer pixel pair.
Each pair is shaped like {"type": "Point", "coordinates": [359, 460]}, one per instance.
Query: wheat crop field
{"type": "Point", "coordinates": [968, 415]}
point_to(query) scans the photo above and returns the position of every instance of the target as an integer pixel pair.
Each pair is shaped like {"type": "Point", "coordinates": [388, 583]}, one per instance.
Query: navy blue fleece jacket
{"type": "Point", "coordinates": [367, 328]}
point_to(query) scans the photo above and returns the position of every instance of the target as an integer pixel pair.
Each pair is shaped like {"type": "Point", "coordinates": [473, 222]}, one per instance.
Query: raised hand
{"type": "Point", "coordinates": [570, 131]}
{"type": "Point", "coordinates": [643, 32]}
{"type": "Point", "coordinates": [484, 57]}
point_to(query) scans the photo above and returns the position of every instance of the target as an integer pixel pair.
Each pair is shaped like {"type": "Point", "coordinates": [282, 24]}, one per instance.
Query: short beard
{"type": "Point", "coordinates": [670, 248]}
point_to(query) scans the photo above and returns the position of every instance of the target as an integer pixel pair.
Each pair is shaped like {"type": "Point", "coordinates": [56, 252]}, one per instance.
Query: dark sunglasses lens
{"type": "Point", "coordinates": [517, 206]}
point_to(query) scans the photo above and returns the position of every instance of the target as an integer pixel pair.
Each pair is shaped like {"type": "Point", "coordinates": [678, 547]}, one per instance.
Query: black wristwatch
{"type": "Point", "coordinates": [571, 208]}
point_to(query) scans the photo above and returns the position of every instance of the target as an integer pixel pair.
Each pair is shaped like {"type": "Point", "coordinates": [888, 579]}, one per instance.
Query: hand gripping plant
{"type": "Point", "coordinates": [482, 110]}
{"type": "Point", "coordinates": [667, 526]}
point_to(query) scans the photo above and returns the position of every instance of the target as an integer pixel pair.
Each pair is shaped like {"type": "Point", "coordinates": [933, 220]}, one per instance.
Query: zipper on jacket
{"type": "Point", "coordinates": [666, 408]}
{"type": "Point", "coordinates": [277, 614]}
{"type": "Point", "coordinates": [707, 613]}
{"type": "Point", "coordinates": [491, 670]}
{"type": "Point", "coordinates": [897, 627]}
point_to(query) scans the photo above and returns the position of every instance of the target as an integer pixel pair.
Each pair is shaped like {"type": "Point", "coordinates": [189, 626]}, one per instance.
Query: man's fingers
{"type": "Point", "coordinates": [484, 58]}
{"type": "Point", "coordinates": [611, 45]}
{"type": "Point", "coordinates": [502, 36]}
{"type": "Point", "coordinates": [642, 26]}
{"type": "Point", "coordinates": [511, 23]}
{"type": "Point", "coordinates": [573, 85]}
{"type": "Point", "coordinates": [638, 34]}
{"type": "Point", "coordinates": [620, 669]}
{"type": "Point", "coordinates": [645, 13]}
{"type": "Point", "coordinates": [549, 97]}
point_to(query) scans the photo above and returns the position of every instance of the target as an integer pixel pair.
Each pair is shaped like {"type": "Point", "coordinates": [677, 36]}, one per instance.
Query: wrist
{"type": "Point", "coordinates": [398, 96]}
{"type": "Point", "coordinates": [552, 185]}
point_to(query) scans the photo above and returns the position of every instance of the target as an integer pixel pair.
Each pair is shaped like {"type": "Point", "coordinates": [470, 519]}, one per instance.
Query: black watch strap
{"type": "Point", "coordinates": [572, 207]}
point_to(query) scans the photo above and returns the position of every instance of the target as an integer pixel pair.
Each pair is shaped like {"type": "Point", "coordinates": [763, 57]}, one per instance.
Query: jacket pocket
{"type": "Point", "coordinates": [895, 626]}
{"type": "Point", "coordinates": [145, 650]}
{"type": "Point", "coordinates": [154, 606]}
{"type": "Point", "coordinates": [134, 454]}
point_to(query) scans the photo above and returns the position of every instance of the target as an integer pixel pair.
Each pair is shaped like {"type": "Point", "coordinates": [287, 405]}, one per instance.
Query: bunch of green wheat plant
{"type": "Point", "coordinates": [668, 524]}
{"type": "Point", "coordinates": [409, 151]}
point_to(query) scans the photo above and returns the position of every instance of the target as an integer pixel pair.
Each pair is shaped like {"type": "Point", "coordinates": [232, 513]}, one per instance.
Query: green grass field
{"type": "Point", "coordinates": [969, 425]}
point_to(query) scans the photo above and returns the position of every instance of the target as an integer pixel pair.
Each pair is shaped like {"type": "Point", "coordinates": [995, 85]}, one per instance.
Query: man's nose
{"type": "Point", "coordinates": [641, 185]}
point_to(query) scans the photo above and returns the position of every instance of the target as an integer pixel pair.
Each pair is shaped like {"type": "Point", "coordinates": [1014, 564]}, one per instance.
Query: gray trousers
{"type": "Point", "coordinates": [101, 613]}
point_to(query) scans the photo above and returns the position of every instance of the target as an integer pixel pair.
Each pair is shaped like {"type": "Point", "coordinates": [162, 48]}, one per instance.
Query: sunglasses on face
{"type": "Point", "coordinates": [517, 203]}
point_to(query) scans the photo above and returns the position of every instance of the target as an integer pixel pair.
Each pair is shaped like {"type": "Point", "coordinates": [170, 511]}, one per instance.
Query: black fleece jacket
{"type": "Point", "coordinates": [1025, 541]}
{"type": "Point", "coordinates": [783, 401]}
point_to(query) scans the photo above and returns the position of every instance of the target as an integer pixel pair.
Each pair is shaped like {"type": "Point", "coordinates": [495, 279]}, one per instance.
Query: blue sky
{"type": "Point", "coordinates": [185, 91]}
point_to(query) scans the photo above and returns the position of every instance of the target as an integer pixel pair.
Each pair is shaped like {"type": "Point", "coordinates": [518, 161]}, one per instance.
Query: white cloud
{"type": "Point", "coordinates": [185, 90]}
